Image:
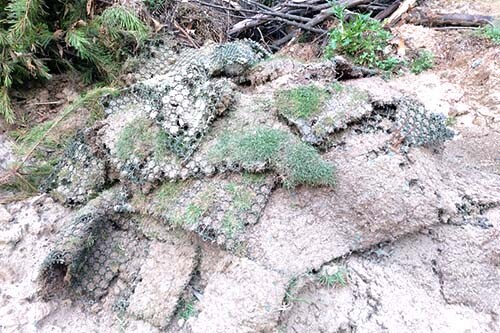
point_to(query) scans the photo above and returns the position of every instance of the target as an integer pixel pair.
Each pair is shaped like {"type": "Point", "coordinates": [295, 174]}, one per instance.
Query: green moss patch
{"type": "Point", "coordinates": [192, 214]}
{"type": "Point", "coordinates": [296, 162]}
{"type": "Point", "coordinates": [301, 102]}
{"type": "Point", "coordinates": [141, 138]}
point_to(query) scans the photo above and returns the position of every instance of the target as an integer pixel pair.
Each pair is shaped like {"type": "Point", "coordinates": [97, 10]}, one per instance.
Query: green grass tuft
{"type": "Point", "coordinates": [337, 278]}
{"type": "Point", "coordinates": [141, 138]}
{"type": "Point", "coordinates": [296, 162]}
{"type": "Point", "coordinates": [249, 148]}
{"type": "Point", "coordinates": [492, 33]}
{"type": "Point", "coordinates": [304, 165]}
{"type": "Point", "coordinates": [300, 102]}
{"type": "Point", "coordinates": [423, 62]}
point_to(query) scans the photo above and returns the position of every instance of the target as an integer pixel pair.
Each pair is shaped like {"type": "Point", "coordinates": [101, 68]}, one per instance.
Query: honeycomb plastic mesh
{"type": "Point", "coordinates": [218, 209]}
{"type": "Point", "coordinates": [63, 266]}
{"type": "Point", "coordinates": [79, 175]}
{"type": "Point", "coordinates": [419, 127]}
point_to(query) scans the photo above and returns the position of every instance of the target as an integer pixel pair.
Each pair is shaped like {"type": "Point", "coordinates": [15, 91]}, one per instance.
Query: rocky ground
{"type": "Point", "coordinates": [399, 244]}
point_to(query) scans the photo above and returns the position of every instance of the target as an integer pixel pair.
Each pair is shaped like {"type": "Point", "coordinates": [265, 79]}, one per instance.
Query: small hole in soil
{"type": "Point", "coordinates": [54, 282]}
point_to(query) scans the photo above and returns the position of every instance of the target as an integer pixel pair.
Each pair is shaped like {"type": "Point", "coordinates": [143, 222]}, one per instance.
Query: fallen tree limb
{"type": "Point", "coordinates": [322, 16]}
{"type": "Point", "coordinates": [405, 6]}
{"type": "Point", "coordinates": [419, 17]}
{"type": "Point", "coordinates": [388, 11]}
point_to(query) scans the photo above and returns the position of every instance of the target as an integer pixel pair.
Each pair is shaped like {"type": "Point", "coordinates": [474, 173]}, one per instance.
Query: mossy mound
{"type": "Point", "coordinates": [319, 112]}
{"type": "Point", "coordinates": [264, 148]}
{"type": "Point", "coordinates": [301, 102]}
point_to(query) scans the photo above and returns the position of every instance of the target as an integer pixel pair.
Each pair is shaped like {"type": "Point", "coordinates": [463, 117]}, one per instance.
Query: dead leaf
{"type": "Point", "coordinates": [401, 47]}
{"type": "Point", "coordinates": [90, 8]}
{"type": "Point", "coordinates": [57, 34]}
{"type": "Point", "coordinates": [157, 25]}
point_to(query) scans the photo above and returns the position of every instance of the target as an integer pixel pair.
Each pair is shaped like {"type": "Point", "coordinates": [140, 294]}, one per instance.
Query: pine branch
{"type": "Point", "coordinates": [121, 22]}
{"type": "Point", "coordinates": [21, 14]}
{"type": "Point", "coordinates": [5, 106]}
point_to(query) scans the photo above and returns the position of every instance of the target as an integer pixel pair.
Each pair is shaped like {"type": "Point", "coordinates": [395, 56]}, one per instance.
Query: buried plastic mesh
{"type": "Point", "coordinates": [155, 59]}
{"type": "Point", "coordinates": [179, 98]}
{"type": "Point", "coordinates": [90, 254]}
{"type": "Point", "coordinates": [328, 110]}
{"type": "Point", "coordinates": [232, 59]}
{"type": "Point", "coordinates": [418, 127]}
{"type": "Point", "coordinates": [218, 209]}
{"type": "Point", "coordinates": [79, 175]}
{"type": "Point", "coordinates": [118, 253]}
{"type": "Point", "coordinates": [63, 266]}
{"type": "Point", "coordinates": [412, 124]}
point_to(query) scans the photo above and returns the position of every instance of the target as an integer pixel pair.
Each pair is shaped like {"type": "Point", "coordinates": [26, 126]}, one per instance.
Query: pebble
{"type": "Point", "coordinates": [4, 215]}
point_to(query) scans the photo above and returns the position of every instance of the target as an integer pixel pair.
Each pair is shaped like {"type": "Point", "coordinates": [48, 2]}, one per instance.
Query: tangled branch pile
{"type": "Point", "coordinates": [278, 22]}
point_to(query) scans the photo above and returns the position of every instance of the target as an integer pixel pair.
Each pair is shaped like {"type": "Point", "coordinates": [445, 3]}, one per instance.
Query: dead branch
{"type": "Point", "coordinates": [405, 6]}
{"type": "Point", "coordinates": [388, 11]}
{"type": "Point", "coordinates": [448, 20]}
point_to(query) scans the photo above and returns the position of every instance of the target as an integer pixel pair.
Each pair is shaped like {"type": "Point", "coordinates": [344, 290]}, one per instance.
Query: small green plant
{"type": "Point", "coordinates": [491, 32]}
{"type": "Point", "coordinates": [390, 64]}
{"type": "Point", "coordinates": [293, 289]}
{"type": "Point", "coordinates": [300, 102]}
{"type": "Point", "coordinates": [329, 280]}
{"type": "Point", "coordinates": [361, 38]}
{"type": "Point", "coordinates": [423, 62]}
{"type": "Point", "coordinates": [154, 5]}
{"type": "Point", "coordinates": [186, 309]}
{"type": "Point", "coordinates": [290, 293]}
{"type": "Point", "coordinates": [451, 121]}
{"type": "Point", "coordinates": [295, 161]}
